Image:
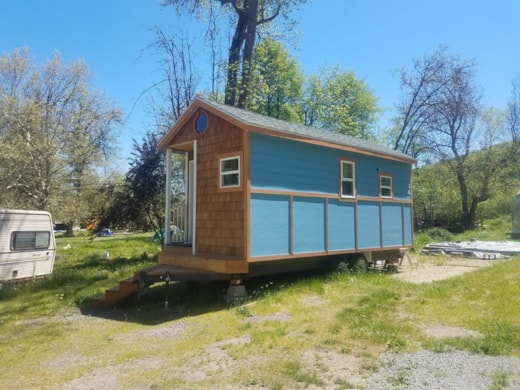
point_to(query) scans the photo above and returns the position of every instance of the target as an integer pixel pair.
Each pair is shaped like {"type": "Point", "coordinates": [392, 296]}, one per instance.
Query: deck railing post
{"type": "Point", "coordinates": [168, 201]}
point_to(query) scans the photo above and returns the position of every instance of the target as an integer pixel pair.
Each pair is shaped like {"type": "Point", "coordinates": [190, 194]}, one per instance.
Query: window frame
{"type": "Point", "coordinates": [386, 187]}
{"type": "Point", "coordinates": [350, 180]}
{"type": "Point", "coordinates": [17, 245]}
{"type": "Point", "coordinates": [200, 132]}
{"type": "Point", "coordinates": [227, 157]}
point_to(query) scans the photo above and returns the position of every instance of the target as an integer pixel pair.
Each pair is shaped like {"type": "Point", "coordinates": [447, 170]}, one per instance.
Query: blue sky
{"type": "Point", "coordinates": [373, 38]}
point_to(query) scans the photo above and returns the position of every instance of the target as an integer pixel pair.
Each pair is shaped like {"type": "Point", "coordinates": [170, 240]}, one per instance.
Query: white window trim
{"type": "Point", "coordinates": [236, 171]}
{"type": "Point", "coordinates": [351, 180]}
{"type": "Point", "coordinates": [381, 186]}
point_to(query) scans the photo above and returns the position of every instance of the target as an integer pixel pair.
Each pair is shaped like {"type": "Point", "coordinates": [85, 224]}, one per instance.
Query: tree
{"type": "Point", "coordinates": [179, 83]}
{"type": "Point", "coordinates": [249, 17]}
{"type": "Point", "coordinates": [440, 117]}
{"type": "Point", "coordinates": [138, 202]}
{"type": "Point", "coordinates": [277, 81]}
{"type": "Point", "coordinates": [421, 88]}
{"type": "Point", "coordinates": [54, 132]}
{"type": "Point", "coordinates": [338, 101]}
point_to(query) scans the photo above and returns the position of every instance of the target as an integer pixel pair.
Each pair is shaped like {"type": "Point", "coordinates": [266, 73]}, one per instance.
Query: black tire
{"type": "Point", "coordinates": [359, 264]}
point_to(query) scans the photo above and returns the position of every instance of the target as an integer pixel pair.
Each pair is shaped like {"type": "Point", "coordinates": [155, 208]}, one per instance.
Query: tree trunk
{"type": "Point", "coordinates": [247, 60]}
{"type": "Point", "coordinates": [234, 57]}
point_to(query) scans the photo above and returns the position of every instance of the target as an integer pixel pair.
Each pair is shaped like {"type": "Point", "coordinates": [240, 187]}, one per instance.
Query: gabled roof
{"type": "Point", "coordinates": [251, 121]}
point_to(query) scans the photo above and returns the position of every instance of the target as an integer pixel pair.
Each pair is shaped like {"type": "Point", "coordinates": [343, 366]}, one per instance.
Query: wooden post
{"type": "Point", "coordinates": [168, 201]}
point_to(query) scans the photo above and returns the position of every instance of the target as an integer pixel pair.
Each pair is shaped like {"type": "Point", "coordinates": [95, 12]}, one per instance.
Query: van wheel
{"type": "Point", "coordinates": [359, 264]}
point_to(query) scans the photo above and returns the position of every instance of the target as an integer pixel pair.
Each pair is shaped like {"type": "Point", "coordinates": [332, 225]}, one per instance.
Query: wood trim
{"type": "Point", "coordinates": [222, 156]}
{"type": "Point", "coordinates": [291, 225]}
{"type": "Point", "coordinates": [324, 253]}
{"type": "Point", "coordinates": [340, 178]}
{"type": "Point", "coordinates": [247, 194]}
{"type": "Point", "coordinates": [391, 176]}
{"type": "Point", "coordinates": [327, 196]}
{"type": "Point", "coordinates": [383, 200]}
{"type": "Point", "coordinates": [205, 263]}
{"type": "Point", "coordinates": [312, 141]}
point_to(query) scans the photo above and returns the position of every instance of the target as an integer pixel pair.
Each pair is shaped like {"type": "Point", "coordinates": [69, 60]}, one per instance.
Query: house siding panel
{"type": "Point", "coordinates": [270, 225]}
{"type": "Point", "coordinates": [309, 225]}
{"type": "Point", "coordinates": [286, 165]}
{"type": "Point", "coordinates": [368, 225]}
{"type": "Point", "coordinates": [342, 225]}
{"type": "Point", "coordinates": [280, 164]}
{"type": "Point", "coordinates": [323, 222]}
{"type": "Point", "coordinates": [392, 224]}
{"type": "Point", "coordinates": [407, 224]}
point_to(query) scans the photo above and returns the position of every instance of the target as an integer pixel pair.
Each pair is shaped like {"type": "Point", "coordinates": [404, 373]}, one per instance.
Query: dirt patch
{"type": "Point", "coordinates": [443, 331]}
{"type": "Point", "coordinates": [421, 269]}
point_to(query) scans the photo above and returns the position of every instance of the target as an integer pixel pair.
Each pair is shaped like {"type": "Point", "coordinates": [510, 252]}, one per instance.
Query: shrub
{"type": "Point", "coordinates": [439, 234]}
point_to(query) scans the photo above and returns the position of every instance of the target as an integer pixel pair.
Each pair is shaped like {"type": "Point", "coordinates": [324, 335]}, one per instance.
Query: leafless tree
{"type": "Point", "coordinates": [440, 117]}
{"type": "Point", "coordinates": [178, 85]}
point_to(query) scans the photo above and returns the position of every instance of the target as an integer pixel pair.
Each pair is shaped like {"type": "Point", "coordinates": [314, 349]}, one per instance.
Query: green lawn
{"type": "Point", "coordinates": [286, 336]}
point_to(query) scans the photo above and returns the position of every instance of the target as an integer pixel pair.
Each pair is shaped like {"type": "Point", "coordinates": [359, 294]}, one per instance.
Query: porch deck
{"type": "Point", "coordinates": [181, 256]}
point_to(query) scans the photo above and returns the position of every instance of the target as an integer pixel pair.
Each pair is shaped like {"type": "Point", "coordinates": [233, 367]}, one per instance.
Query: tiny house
{"type": "Point", "coordinates": [27, 245]}
{"type": "Point", "coordinates": [264, 195]}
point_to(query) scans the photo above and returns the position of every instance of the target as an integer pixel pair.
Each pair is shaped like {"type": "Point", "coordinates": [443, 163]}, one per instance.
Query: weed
{"type": "Point", "coordinates": [294, 370]}
{"type": "Point", "coordinates": [243, 312]}
{"type": "Point", "coordinates": [499, 380]}
{"type": "Point", "coordinates": [400, 380]}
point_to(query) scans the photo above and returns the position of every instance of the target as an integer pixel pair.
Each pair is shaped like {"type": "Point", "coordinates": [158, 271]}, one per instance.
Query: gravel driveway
{"type": "Point", "coordinates": [449, 370]}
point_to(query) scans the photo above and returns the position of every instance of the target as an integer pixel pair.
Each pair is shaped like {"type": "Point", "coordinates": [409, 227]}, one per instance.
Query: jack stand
{"type": "Point", "coordinates": [236, 292]}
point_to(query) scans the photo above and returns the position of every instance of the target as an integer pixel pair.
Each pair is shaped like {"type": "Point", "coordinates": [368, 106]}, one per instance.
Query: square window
{"type": "Point", "coordinates": [230, 172]}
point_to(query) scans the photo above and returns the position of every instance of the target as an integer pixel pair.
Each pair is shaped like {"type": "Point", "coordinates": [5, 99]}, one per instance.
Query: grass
{"type": "Point", "coordinates": [281, 339]}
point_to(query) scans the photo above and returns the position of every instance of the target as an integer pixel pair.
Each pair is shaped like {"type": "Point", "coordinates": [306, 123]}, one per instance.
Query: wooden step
{"type": "Point", "coordinates": [115, 294]}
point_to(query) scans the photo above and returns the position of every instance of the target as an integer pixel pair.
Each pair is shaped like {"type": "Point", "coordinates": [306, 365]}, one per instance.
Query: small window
{"type": "Point", "coordinates": [385, 186]}
{"type": "Point", "coordinates": [230, 172]}
{"type": "Point", "coordinates": [348, 179]}
{"type": "Point", "coordinates": [26, 241]}
{"type": "Point", "coordinates": [201, 123]}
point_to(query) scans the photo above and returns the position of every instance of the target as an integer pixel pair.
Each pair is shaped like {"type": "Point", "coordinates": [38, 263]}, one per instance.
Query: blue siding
{"type": "Point", "coordinates": [309, 225]}
{"type": "Point", "coordinates": [368, 225]}
{"type": "Point", "coordinates": [286, 165]}
{"type": "Point", "coordinates": [280, 164]}
{"type": "Point", "coordinates": [342, 225]}
{"type": "Point", "coordinates": [407, 211]}
{"type": "Point", "coordinates": [392, 224]}
{"type": "Point", "coordinates": [270, 225]}
{"type": "Point", "coordinates": [297, 168]}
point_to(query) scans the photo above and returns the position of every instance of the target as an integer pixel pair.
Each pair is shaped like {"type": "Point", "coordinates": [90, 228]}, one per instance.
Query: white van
{"type": "Point", "coordinates": [27, 245]}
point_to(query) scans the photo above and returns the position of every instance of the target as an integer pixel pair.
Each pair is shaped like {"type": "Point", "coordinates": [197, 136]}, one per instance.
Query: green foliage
{"type": "Point", "coordinates": [56, 132]}
{"type": "Point", "coordinates": [439, 234]}
{"type": "Point", "coordinates": [277, 82]}
{"type": "Point", "coordinates": [325, 316]}
{"type": "Point", "coordinates": [338, 101]}
{"type": "Point", "coordinates": [139, 202]}
{"type": "Point", "coordinates": [82, 272]}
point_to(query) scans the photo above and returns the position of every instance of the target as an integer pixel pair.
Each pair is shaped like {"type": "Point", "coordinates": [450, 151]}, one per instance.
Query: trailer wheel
{"type": "Point", "coordinates": [359, 264]}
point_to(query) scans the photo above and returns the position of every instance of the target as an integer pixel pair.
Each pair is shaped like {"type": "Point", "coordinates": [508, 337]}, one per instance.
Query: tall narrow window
{"type": "Point", "coordinates": [348, 179]}
{"type": "Point", "coordinates": [385, 186]}
{"type": "Point", "coordinates": [230, 172]}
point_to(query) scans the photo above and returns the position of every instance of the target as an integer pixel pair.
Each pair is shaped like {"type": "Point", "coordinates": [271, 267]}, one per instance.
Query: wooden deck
{"type": "Point", "coordinates": [180, 256]}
